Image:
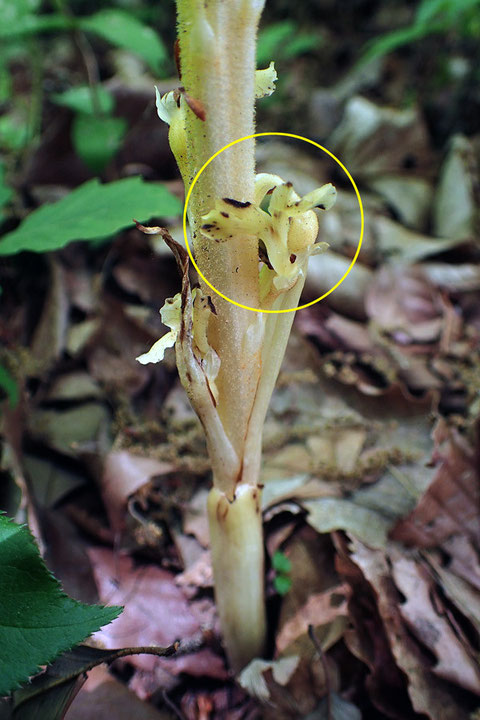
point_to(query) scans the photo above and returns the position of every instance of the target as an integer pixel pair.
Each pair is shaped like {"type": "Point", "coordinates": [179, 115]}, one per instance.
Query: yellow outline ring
{"type": "Point", "coordinates": [296, 137]}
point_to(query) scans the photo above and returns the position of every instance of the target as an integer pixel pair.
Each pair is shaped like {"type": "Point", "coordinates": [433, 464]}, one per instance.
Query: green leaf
{"type": "Point", "coordinates": [13, 131]}
{"type": "Point", "coordinates": [97, 139]}
{"type": "Point", "coordinates": [33, 24]}
{"type": "Point", "coordinates": [9, 385]}
{"type": "Point", "coordinates": [90, 211]}
{"type": "Point", "coordinates": [48, 694]}
{"type": "Point", "coordinates": [122, 29]}
{"type": "Point", "coordinates": [81, 99]}
{"type": "Point", "coordinates": [37, 620]}
{"type": "Point", "coordinates": [52, 703]}
{"type": "Point", "coordinates": [18, 17]}
{"type": "Point", "coordinates": [447, 10]}
{"type": "Point", "coordinates": [302, 43]}
{"type": "Point", "coordinates": [271, 39]}
{"type": "Point", "coordinates": [282, 584]}
{"type": "Point", "coordinates": [393, 40]}
{"type": "Point", "coordinates": [5, 82]}
{"type": "Point", "coordinates": [281, 563]}
{"type": "Point", "coordinates": [6, 192]}
{"type": "Point", "coordinates": [12, 13]}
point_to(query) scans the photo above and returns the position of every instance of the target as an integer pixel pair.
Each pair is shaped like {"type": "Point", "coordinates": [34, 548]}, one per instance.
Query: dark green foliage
{"type": "Point", "coordinates": [37, 620]}
{"type": "Point", "coordinates": [90, 211]}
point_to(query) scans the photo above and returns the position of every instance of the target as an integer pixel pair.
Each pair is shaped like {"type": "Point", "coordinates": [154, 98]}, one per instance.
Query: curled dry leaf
{"type": "Point", "coordinates": [198, 575]}
{"type": "Point", "coordinates": [402, 303]}
{"type": "Point", "coordinates": [325, 270]}
{"type": "Point", "coordinates": [50, 334]}
{"type": "Point", "coordinates": [455, 204]}
{"type": "Point", "coordinates": [454, 662]}
{"type": "Point", "coordinates": [252, 677]}
{"type": "Point", "coordinates": [374, 140]}
{"type": "Point", "coordinates": [461, 593]}
{"type": "Point", "coordinates": [367, 640]}
{"type": "Point", "coordinates": [409, 197]}
{"type": "Point", "coordinates": [429, 694]}
{"type": "Point", "coordinates": [450, 505]}
{"type": "Point", "coordinates": [195, 521]}
{"type": "Point", "coordinates": [464, 559]}
{"type": "Point", "coordinates": [320, 609]}
{"type": "Point", "coordinates": [123, 474]}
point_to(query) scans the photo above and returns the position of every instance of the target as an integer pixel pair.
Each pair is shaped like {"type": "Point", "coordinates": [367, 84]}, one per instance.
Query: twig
{"type": "Point", "coordinates": [86, 53]}
{"type": "Point", "coordinates": [172, 706]}
{"type": "Point", "coordinates": [323, 659]}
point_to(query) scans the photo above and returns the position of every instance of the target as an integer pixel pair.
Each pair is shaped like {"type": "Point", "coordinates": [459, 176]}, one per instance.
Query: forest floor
{"type": "Point", "coordinates": [372, 442]}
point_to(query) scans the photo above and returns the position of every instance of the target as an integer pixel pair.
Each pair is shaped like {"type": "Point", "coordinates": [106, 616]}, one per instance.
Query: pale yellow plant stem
{"type": "Point", "coordinates": [217, 50]}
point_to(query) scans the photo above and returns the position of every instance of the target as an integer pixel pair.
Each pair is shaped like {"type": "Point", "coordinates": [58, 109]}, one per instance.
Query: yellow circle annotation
{"type": "Point", "coordinates": [296, 137]}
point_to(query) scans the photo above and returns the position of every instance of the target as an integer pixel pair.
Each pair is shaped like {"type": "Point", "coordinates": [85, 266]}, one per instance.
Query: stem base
{"type": "Point", "coordinates": [236, 540]}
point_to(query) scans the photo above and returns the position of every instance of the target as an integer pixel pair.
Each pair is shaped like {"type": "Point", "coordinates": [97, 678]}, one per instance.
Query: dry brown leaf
{"type": "Point", "coordinates": [374, 140]}
{"type": "Point", "coordinates": [464, 561]}
{"type": "Point", "coordinates": [463, 595]}
{"type": "Point", "coordinates": [103, 697]}
{"type": "Point", "coordinates": [327, 269]}
{"type": "Point", "coordinates": [199, 574]}
{"type": "Point", "coordinates": [320, 609]}
{"type": "Point", "coordinates": [402, 303]}
{"type": "Point", "coordinates": [111, 353]}
{"type": "Point", "coordinates": [156, 612]}
{"type": "Point", "coordinates": [429, 694]}
{"type": "Point", "coordinates": [123, 474]}
{"type": "Point", "coordinates": [50, 334]}
{"type": "Point", "coordinates": [455, 206]}
{"type": "Point", "coordinates": [432, 629]}
{"type": "Point", "coordinates": [367, 640]}
{"type": "Point", "coordinates": [450, 505]}
{"type": "Point", "coordinates": [195, 521]}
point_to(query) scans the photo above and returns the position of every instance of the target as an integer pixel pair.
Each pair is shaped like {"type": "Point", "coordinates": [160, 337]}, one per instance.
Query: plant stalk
{"type": "Point", "coordinates": [229, 357]}
{"type": "Point", "coordinates": [236, 539]}
{"type": "Point", "coordinates": [217, 56]}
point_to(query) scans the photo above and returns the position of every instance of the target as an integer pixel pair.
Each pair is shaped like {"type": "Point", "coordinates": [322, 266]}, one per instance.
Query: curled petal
{"type": "Point", "coordinates": [171, 315]}
{"type": "Point", "coordinates": [167, 106]}
{"type": "Point", "coordinates": [265, 81]}
{"type": "Point", "coordinates": [157, 351]}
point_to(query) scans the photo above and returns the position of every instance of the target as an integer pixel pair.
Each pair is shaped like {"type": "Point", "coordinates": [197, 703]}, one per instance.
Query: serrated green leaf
{"type": "Point", "coordinates": [122, 29]}
{"type": "Point", "coordinates": [37, 620]}
{"type": "Point", "coordinates": [81, 99]}
{"type": "Point", "coordinates": [282, 584]}
{"type": "Point", "coordinates": [281, 563]}
{"type": "Point", "coordinates": [90, 211]}
{"type": "Point", "coordinates": [97, 139]}
{"type": "Point", "coordinates": [48, 694]}
{"type": "Point", "coordinates": [9, 385]}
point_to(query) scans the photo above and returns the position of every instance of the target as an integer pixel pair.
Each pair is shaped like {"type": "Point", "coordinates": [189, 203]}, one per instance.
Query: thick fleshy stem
{"type": "Point", "coordinates": [229, 357]}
